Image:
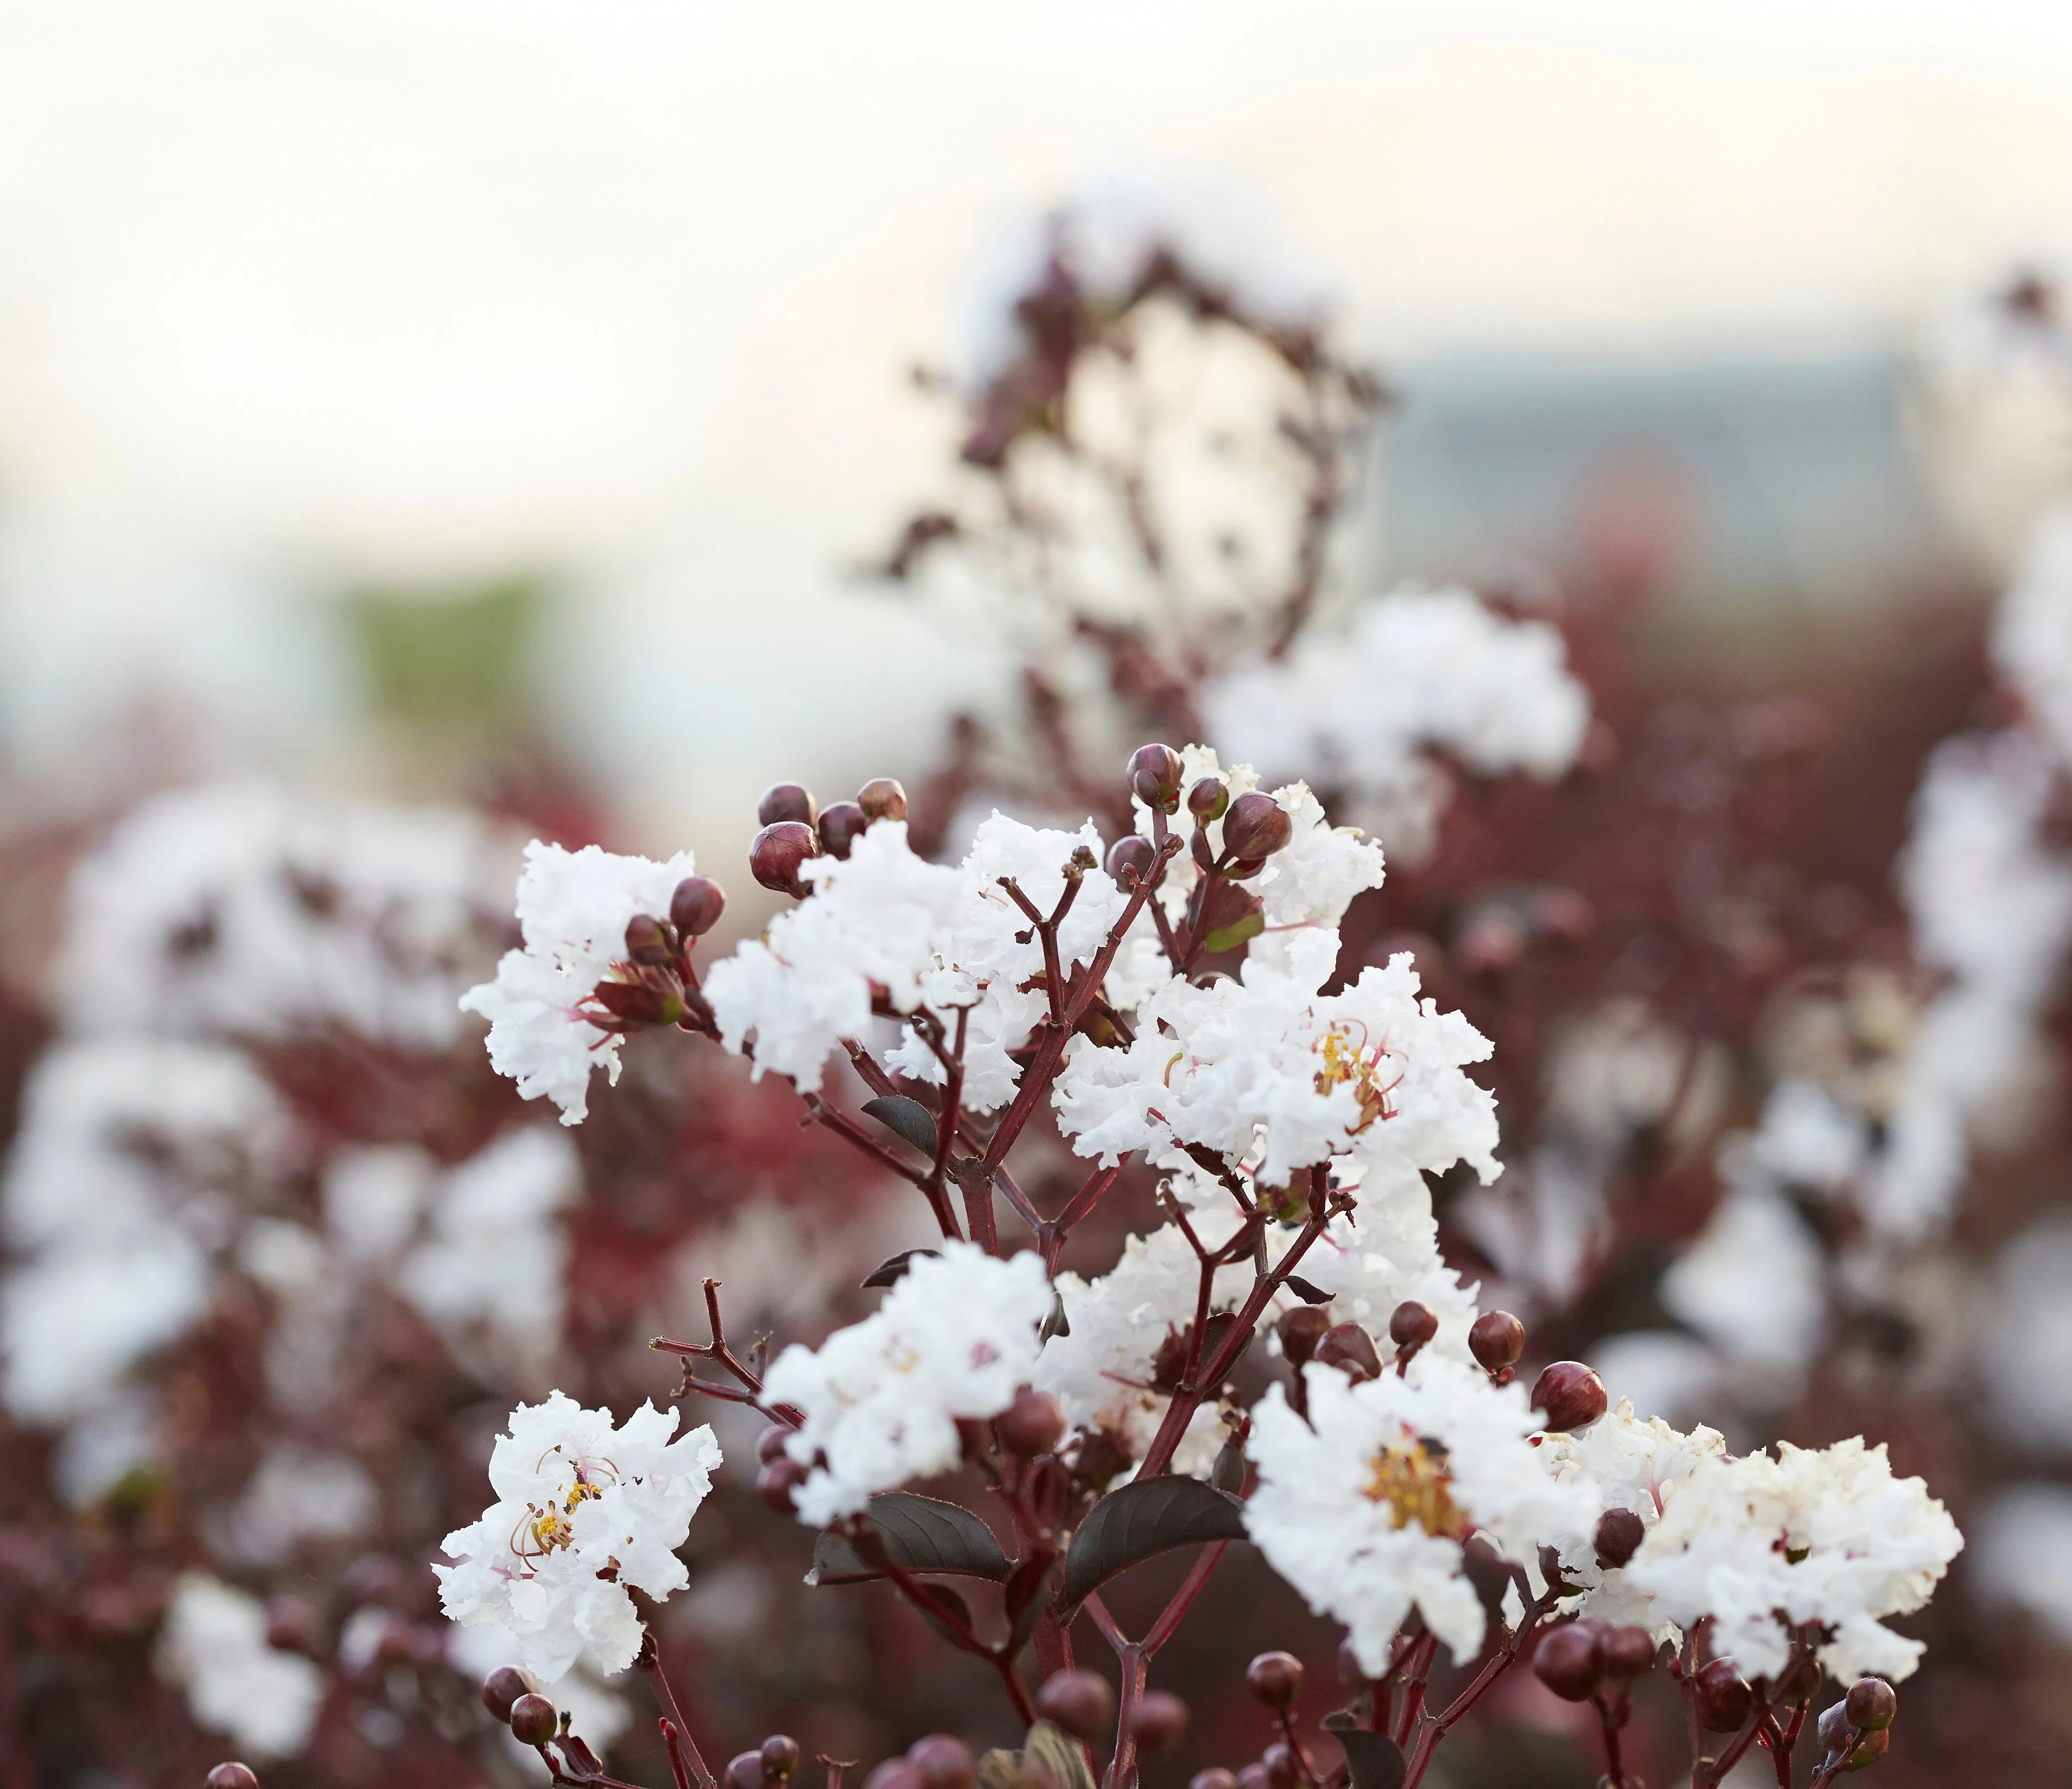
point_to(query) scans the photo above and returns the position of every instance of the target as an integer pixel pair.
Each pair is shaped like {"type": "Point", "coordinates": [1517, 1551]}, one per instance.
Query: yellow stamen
{"type": "Point", "coordinates": [1415, 1487]}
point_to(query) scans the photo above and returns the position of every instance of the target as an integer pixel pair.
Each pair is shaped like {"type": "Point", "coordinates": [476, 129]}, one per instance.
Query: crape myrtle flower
{"type": "Point", "coordinates": [574, 908]}
{"type": "Point", "coordinates": [213, 1646]}
{"type": "Point", "coordinates": [1816, 1535]}
{"type": "Point", "coordinates": [583, 1511]}
{"type": "Point", "coordinates": [955, 1337]}
{"type": "Point", "coordinates": [1364, 1508]}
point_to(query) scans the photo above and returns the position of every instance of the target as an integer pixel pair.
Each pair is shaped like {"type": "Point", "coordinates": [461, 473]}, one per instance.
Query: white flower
{"type": "Point", "coordinates": [1363, 1508]}
{"type": "Point", "coordinates": [2021, 1553]}
{"type": "Point", "coordinates": [1372, 1074]}
{"type": "Point", "coordinates": [1823, 1535]}
{"type": "Point", "coordinates": [955, 1337]}
{"type": "Point", "coordinates": [213, 1646]}
{"type": "Point", "coordinates": [1752, 1283]}
{"type": "Point", "coordinates": [576, 1498]}
{"type": "Point", "coordinates": [2025, 1352]}
{"type": "Point", "coordinates": [572, 910]}
{"type": "Point", "coordinates": [2032, 633]}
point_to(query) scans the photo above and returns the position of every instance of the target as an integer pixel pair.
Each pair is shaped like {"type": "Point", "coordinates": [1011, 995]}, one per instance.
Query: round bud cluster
{"type": "Point", "coordinates": [1080, 1702]}
{"type": "Point", "coordinates": [1570, 1396]}
{"type": "Point", "coordinates": [778, 1475]}
{"type": "Point", "coordinates": [1496, 1339]}
{"type": "Point", "coordinates": [769, 1765]}
{"type": "Point", "coordinates": [1351, 1350]}
{"type": "Point", "coordinates": [1300, 1331]}
{"type": "Point", "coordinates": [1618, 1537]}
{"type": "Point", "coordinates": [1871, 1704]}
{"type": "Point", "coordinates": [1410, 1325]}
{"type": "Point", "coordinates": [1276, 1679]}
{"type": "Point", "coordinates": [1256, 827]}
{"type": "Point", "coordinates": [795, 828]}
{"type": "Point", "coordinates": [534, 1720]}
{"type": "Point", "coordinates": [1587, 1657]}
{"type": "Point", "coordinates": [1723, 1697]}
{"type": "Point", "coordinates": [1130, 860]}
{"type": "Point", "coordinates": [1842, 1739]}
{"type": "Point", "coordinates": [1033, 1424]}
{"type": "Point", "coordinates": [502, 1687]}
{"type": "Point", "coordinates": [230, 1775]}
{"type": "Point", "coordinates": [1208, 801]}
{"type": "Point", "coordinates": [1159, 1721]}
{"type": "Point", "coordinates": [1154, 777]}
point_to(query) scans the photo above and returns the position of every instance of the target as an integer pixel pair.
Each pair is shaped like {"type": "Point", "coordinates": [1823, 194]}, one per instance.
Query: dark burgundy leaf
{"type": "Point", "coordinates": [920, 1534]}
{"type": "Point", "coordinates": [1145, 1517]}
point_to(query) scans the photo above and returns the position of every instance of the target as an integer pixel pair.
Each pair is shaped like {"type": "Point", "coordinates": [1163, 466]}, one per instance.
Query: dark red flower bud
{"type": "Point", "coordinates": [941, 1760]}
{"type": "Point", "coordinates": [1034, 1423]}
{"type": "Point", "coordinates": [895, 1773]}
{"type": "Point", "coordinates": [780, 1756]}
{"type": "Point", "coordinates": [1801, 1684]}
{"type": "Point", "coordinates": [1871, 1703]}
{"type": "Point", "coordinates": [1570, 1661]}
{"type": "Point", "coordinates": [292, 1625]}
{"type": "Point", "coordinates": [1836, 1730]}
{"type": "Point", "coordinates": [1351, 1350]}
{"type": "Point", "coordinates": [1276, 1679]}
{"type": "Point", "coordinates": [1098, 1458]}
{"type": "Point", "coordinates": [1496, 1338]}
{"type": "Point", "coordinates": [232, 1775]}
{"type": "Point", "coordinates": [504, 1686]}
{"type": "Point", "coordinates": [744, 1771]}
{"type": "Point", "coordinates": [1570, 1396]}
{"type": "Point", "coordinates": [1158, 1721]}
{"type": "Point", "coordinates": [1628, 1653]}
{"type": "Point", "coordinates": [882, 798]}
{"type": "Point", "coordinates": [1208, 799]}
{"type": "Point", "coordinates": [642, 1003]}
{"type": "Point", "coordinates": [1412, 1324]}
{"type": "Point", "coordinates": [1244, 869]}
{"type": "Point", "coordinates": [1257, 825]}
{"type": "Point", "coordinates": [1618, 1537]}
{"type": "Point", "coordinates": [1154, 774]}
{"type": "Point", "coordinates": [779, 849]}
{"type": "Point", "coordinates": [1080, 1702]}
{"type": "Point", "coordinates": [647, 943]}
{"type": "Point", "coordinates": [1300, 1330]}
{"type": "Point", "coordinates": [695, 907]}
{"type": "Point", "coordinates": [841, 826]}
{"type": "Point", "coordinates": [770, 1442]}
{"type": "Point", "coordinates": [1724, 1698]}
{"type": "Point", "coordinates": [1253, 1776]}
{"type": "Point", "coordinates": [1869, 1749]}
{"type": "Point", "coordinates": [1130, 859]}
{"type": "Point", "coordinates": [1215, 1777]}
{"type": "Point", "coordinates": [1284, 1769]}
{"type": "Point", "coordinates": [533, 1720]}
{"type": "Point", "coordinates": [786, 801]}
{"type": "Point", "coordinates": [778, 1480]}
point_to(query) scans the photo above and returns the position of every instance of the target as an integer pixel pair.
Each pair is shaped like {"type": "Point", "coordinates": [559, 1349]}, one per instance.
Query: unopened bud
{"type": "Point", "coordinates": [841, 826]}
{"type": "Point", "coordinates": [1034, 1423]}
{"type": "Point", "coordinates": [780, 1756]}
{"type": "Point", "coordinates": [1215, 1777]}
{"type": "Point", "coordinates": [1257, 826]}
{"type": "Point", "coordinates": [1802, 1683]}
{"type": "Point", "coordinates": [942, 1761]}
{"type": "Point", "coordinates": [1496, 1338]}
{"type": "Point", "coordinates": [1208, 800]}
{"type": "Point", "coordinates": [1276, 1679]}
{"type": "Point", "coordinates": [1724, 1698]}
{"type": "Point", "coordinates": [1570, 1661]}
{"type": "Point", "coordinates": [646, 942]}
{"type": "Point", "coordinates": [1628, 1653]}
{"type": "Point", "coordinates": [232, 1775]}
{"type": "Point", "coordinates": [777, 1481]}
{"type": "Point", "coordinates": [744, 1771]}
{"type": "Point", "coordinates": [779, 849]}
{"type": "Point", "coordinates": [770, 1442]}
{"type": "Point", "coordinates": [1154, 776]}
{"type": "Point", "coordinates": [292, 1625]}
{"type": "Point", "coordinates": [1253, 1776]}
{"type": "Point", "coordinates": [1351, 1350]}
{"type": "Point", "coordinates": [1300, 1331]}
{"type": "Point", "coordinates": [1159, 1720]}
{"type": "Point", "coordinates": [1871, 1703]}
{"type": "Point", "coordinates": [786, 801]}
{"type": "Point", "coordinates": [882, 798]}
{"type": "Point", "coordinates": [1570, 1396]}
{"type": "Point", "coordinates": [1284, 1769]}
{"type": "Point", "coordinates": [1129, 861]}
{"type": "Point", "coordinates": [1618, 1537]}
{"type": "Point", "coordinates": [893, 1773]}
{"type": "Point", "coordinates": [502, 1687]}
{"type": "Point", "coordinates": [1869, 1749]}
{"type": "Point", "coordinates": [695, 907]}
{"type": "Point", "coordinates": [1078, 1701]}
{"type": "Point", "coordinates": [1411, 1325]}
{"type": "Point", "coordinates": [533, 1720]}
{"type": "Point", "coordinates": [1098, 1457]}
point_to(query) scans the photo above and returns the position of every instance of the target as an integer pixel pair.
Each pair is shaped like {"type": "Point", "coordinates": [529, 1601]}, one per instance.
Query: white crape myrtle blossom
{"type": "Point", "coordinates": [1626, 1464]}
{"type": "Point", "coordinates": [576, 1498]}
{"type": "Point", "coordinates": [955, 1337]}
{"type": "Point", "coordinates": [1824, 1535]}
{"type": "Point", "coordinates": [1364, 1508]}
{"type": "Point", "coordinates": [926, 935]}
{"type": "Point", "coordinates": [214, 1647]}
{"type": "Point", "coordinates": [2032, 633]}
{"type": "Point", "coordinates": [1372, 1074]}
{"type": "Point", "coordinates": [596, 1713]}
{"type": "Point", "coordinates": [1413, 670]}
{"type": "Point", "coordinates": [572, 910]}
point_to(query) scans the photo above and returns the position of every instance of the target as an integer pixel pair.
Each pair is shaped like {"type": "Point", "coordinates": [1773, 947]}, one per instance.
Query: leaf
{"type": "Point", "coordinates": [1301, 1288]}
{"type": "Point", "coordinates": [1144, 1517]}
{"type": "Point", "coordinates": [1230, 936]}
{"type": "Point", "coordinates": [1233, 915]}
{"type": "Point", "coordinates": [1373, 1760]}
{"type": "Point", "coordinates": [906, 1118]}
{"type": "Point", "coordinates": [1057, 1323]}
{"type": "Point", "coordinates": [942, 1627]}
{"type": "Point", "coordinates": [888, 1272]}
{"type": "Point", "coordinates": [921, 1534]}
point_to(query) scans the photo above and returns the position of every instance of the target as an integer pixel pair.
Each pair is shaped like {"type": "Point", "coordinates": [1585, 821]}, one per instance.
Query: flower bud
{"type": "Point", "coordinates": [292, 1625]}
{"type": "Point", "coordinates": [695, 907]}
{"type": "Point", "coordinates": [1078, 1701]}
{"type": "Point", "coordinates": [779, 849]}
{"type": "Point", "coordinates": [893, 1773]}
{"type": "Point", "coordinates": [1570, 1661]}
{"type": "Point", "coordinates": [1130, 859]}
{"type": "Point", "coordinates": [232, 1775]}
{"type": "Point", "coordinates": [770, 1442]}
{"type": "Point", "coordinates": [1496, 1338]}
{"type": "Point", "coordinates": [1300, 1331]}
{"type": "Point", "coordinates": [777, 1481]}
{"type": "Point", "coordinates": [882, 798]}
{"type": "Point", "coordinates": [1801, 1684]}
{"type": "Point", "coordinates": [744, 1771]}
{"type": "Point", "coordinates": [941, 1760]}
{"type": "Point", "coordinates": [785, 801]}
{"type": "Point", "coordinates": [1871, 1703]}
{"type": "Point", "coordinates": [504, 1686]}
{"type": "Point", "coordinates": [533, 1720]}
{"type": "Point", "coordinates": [1034, 1423]}
{"type": "Point", "coordinates": [1208, 800]}
{"type": "Point", "coordinates": [1618, 1537]}
{"type": "Point", "coordinates": [647, 943]}
{"type": "Point", "coordinates": [1570, 1396]}
{"type": "Point", "coordinates": [1098, 1458]}
{"type": "Point", "coordinates": [1215, 1777]}
{"type": "Point", "coordinates": [841, 826]}
{"type": "Point", "coordinates": [1411, 1325]}
{"type": "Point", "coordinates": [1154, 776]}
{"type": "Point", "coordinates": [1724, 1698]}
{"type": "Point", "coordinates": [1351, 1350]}
{"type": "Point", "coordinates": [1628, 1653]}
{"type": "Point", "coordinates": [1276, 1679]}
{"type": "Point", "coordinates": [1253, 1776]}
{"type": "Point", "coordinates": [1836, 1729]}
{"type": "Point", "coordinates": [780, 1756]}
{"type": "Point", "coordinates": [1257, 825]}
{"type": "Point", "coordinates": [1284, 1769]}
{"type": "Point", "coordinates": [1159, 1720]}
{"type": "Point", "coordinates": [1869, 1750]}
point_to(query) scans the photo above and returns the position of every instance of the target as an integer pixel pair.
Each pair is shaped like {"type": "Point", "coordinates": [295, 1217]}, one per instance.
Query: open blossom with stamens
{"type": "Point", "coordinates": [1373, 1072]}
{"type": "Point", "coordinates": [583, 1511]}
{"type": "Point", "coordinates": [1364, 1508]}
{"type": "Point", "coordinates": [1816, 1535]}
{"type": "Point", "coordinates": [956, 1337]}
{"type": "Point", "coordinates": [572, 910]}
